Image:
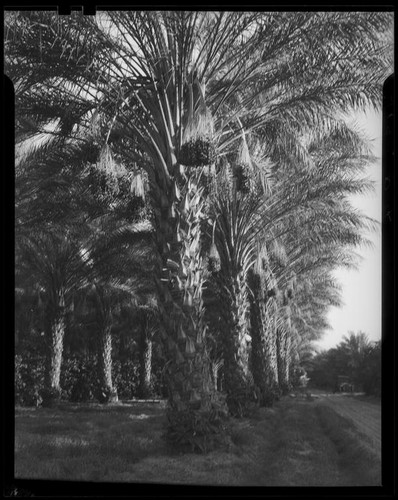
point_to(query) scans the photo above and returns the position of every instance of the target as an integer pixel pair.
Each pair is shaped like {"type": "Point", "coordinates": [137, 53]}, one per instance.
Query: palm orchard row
{"type": "Point", "coordinates": [195, 166]}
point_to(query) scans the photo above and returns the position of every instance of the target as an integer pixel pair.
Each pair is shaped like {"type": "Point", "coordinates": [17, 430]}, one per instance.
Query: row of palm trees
{"type": "Point", "coordinates": [76, 254]}
{"type": "Point", "coordinates": [230, 126]}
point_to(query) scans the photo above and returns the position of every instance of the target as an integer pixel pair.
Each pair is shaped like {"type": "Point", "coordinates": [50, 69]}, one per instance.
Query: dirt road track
{"type": "Point", "coordinates": [366, 416]}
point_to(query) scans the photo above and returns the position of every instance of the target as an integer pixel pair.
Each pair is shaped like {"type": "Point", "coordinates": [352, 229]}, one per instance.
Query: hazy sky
{"type": "Point", "coordinates": [362, 289]}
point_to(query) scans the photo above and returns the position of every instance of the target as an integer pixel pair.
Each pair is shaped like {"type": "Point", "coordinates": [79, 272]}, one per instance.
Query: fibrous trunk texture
{"type": "Point", "coordinates": [234, 330]}
{"type": "Point", "coordinates": [190, 388]}
{"type": "Point", "coordinates": [106, 392]}
{"type": "Point", "coordinates": [263, 352]}
{"type": "Point", "coordinates": [283, 356]}
{"type": "Point", "coordinates": [271, 356]}
{"type": "Point", "coordinates": [145, 355]}
{"type": "Point", "coordinates": [54, 332]}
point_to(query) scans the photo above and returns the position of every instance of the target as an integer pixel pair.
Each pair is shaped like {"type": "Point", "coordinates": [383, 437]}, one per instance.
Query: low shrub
{"type": "Point", "coordinates": [29, 379]}
{"type": "Point", "coordinates": [126, 378]}
{"type": "Point", "coordinates": [106, 394]}
{"type": "Point", "coordinates": [198, 432]}
{"type": "Point", "coordinates": [50, 397]}
{"type": "Point", "coordinates": [244, 401]}
{"type": "Point", "coordinates": [79, 379]}
{"type": "Point", "coordinates": [268, 397]}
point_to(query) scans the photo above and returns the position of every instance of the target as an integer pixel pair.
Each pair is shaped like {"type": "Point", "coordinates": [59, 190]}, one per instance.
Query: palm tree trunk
{"type": "Point", "coordinates": [234, 330]}
{"type": "Point", "coordinates": [284, 346]}
{"type": "Point", "coordinates": [283, 351]}
{"type": "Point", "coordinates": [272, 362]}
{"type": "Point", "coordinates": [106, 392]}
{"type": "Point", "coordinates": [190, 388]}
{"type": "Point", "coordinates": [288, 362]}
{"type": "Point", "coordinates": [145, 355]}
{"type": "Point", "coordinates": [258, 333]}
{"type": "Point", "coordinates": [263, 352]}
{"type": "Point", "coordinates": [54, 332]}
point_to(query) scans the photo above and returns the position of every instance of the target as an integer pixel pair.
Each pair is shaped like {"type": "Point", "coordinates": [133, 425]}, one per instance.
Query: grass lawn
{"type": "Point", "coordinates": [291, 444]}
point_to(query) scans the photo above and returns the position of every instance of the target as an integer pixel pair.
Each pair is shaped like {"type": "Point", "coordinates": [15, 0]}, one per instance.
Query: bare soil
{"type": "Point", "coordinates": [365, 415]}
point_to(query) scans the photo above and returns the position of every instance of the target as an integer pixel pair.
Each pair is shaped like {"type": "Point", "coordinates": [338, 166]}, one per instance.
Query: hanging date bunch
{"type": "Point", "coordinates": [108, 166]}
{"type": "Point", "coordinates": [242, 167]}
{"type": "Point", "coordinates": [198, 148]}
{"type": "Point", "coordinates": [137, 186]}
{"type": "Point", "coordinates": [92, 151]}
{"type": "Point", "coordinates": [135, 195]}
{"type": "Point", "coordinates": [103, 176]}
{"type": "Point", "coordinates": [197, 152]}
{"type": "Point", "coordinates": [214, 260]}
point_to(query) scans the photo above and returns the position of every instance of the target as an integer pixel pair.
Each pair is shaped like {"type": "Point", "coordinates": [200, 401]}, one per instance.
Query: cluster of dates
{"type": "Point", "coordinates": [197, 153]}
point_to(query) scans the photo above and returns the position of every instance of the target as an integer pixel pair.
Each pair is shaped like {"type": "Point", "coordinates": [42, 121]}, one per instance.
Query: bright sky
{"type": "Point", "coordinates": [362, 288]}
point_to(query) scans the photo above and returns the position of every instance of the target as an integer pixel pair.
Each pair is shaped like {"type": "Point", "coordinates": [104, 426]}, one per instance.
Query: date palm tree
{"type": "Point", "coordinates": [54, 261]}
{"type": "Point", "coordinates": [182, 86]}
{"type": "Point", "coordinates": [66, 238]}
{"type": "Point", "coordinates": [263, 315]}
{"type": "Point", "coordinates": [309, 229]}
{"type": "Point", "coordinates": [355, 346]}
{"type": "Point", "coordinates": [221, 89]}
{"type": "Point", "coordinates": [231, 255]}
{"type": "Point", "coordinates": [122, 261]}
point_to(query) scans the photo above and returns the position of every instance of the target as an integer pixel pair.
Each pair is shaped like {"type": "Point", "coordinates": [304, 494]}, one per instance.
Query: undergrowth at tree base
{"type": "Point", "coordinates": [197, 432]}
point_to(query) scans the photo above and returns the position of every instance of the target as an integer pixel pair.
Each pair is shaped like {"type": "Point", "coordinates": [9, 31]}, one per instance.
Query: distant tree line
{"type": "Point", "coordinates": [355, 357]}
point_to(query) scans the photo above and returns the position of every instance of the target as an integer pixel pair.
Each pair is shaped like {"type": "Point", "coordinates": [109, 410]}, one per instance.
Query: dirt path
{"type": "Point", "coordinates": [366, 417]}
{"type": "Point", "coordinates": [292, 449]}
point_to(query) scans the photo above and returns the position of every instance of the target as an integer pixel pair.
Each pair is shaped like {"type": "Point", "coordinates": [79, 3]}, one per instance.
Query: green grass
{"type": "Point", "coordinates": [85, 443]}
{"type": "Point", "coordinates": [287, 445]}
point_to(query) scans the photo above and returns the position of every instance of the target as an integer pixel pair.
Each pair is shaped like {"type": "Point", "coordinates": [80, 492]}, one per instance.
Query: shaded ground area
{"type": "Point", "coordinates": [295, 443]}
